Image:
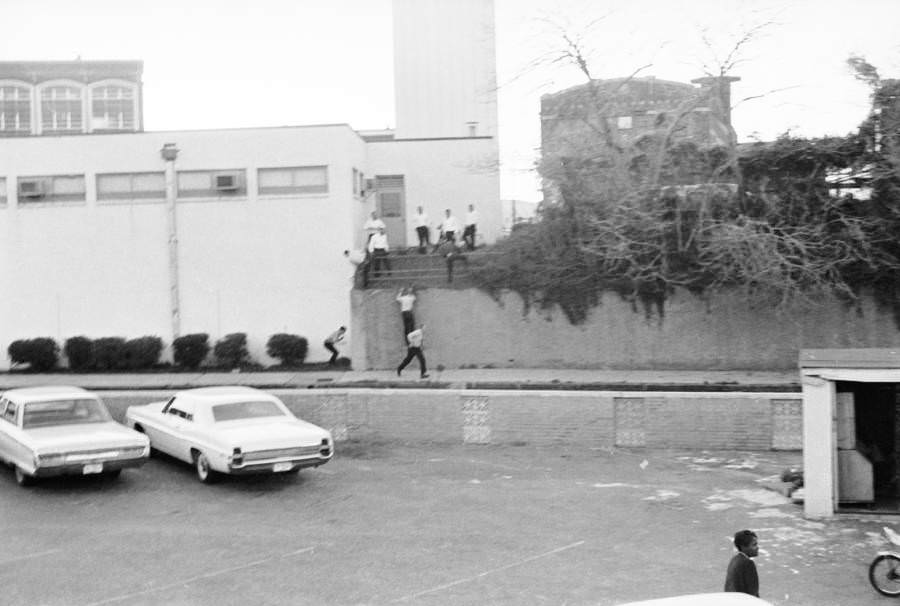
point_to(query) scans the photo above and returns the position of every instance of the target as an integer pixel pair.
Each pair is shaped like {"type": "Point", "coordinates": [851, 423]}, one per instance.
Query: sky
{"type": "Point", "coordinates": [240, 63]}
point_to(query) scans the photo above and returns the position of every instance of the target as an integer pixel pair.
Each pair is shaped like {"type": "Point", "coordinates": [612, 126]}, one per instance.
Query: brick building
{"type": "Point", "coordinates": [70, 97]}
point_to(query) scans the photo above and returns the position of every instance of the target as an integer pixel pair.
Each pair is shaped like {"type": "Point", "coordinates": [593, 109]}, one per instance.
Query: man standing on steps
{"type": "Point", "coordinates": [378, 250]}
{"type": "Point", "coordinates": [741, 576]}
{"type": "Point", "coordinates": [420, 220]}
{"type": "Point", "coordinates": [469, 231]}
{"type": "Point", "coordinates": [414, 350]}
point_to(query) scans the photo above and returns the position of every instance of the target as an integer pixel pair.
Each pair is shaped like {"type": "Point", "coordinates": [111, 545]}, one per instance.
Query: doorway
{"type": "Point", "coordinates": [391, 207]}
{"type": "Point", "coordinates": [867, 447]}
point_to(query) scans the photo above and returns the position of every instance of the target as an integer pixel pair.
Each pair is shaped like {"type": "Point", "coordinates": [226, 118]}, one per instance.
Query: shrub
{"type": "Point", "coordinates": [143, 352]}
{"type": "Point", "coordinates": [80, 353]}
{"type": "Point", "coordinates": [231, 350]}
{"type": "Point", "coordinates": [290, 349]}
{"type": "Point", "coordinates": [109, 353]}
{"type": "Point", "coordinates": [189, 351]}
{"type": "Point", "coordinates": [41, 354]}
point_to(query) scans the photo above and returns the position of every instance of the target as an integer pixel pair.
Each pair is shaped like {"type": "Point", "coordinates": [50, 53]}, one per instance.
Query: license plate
{"type": "Point", "coordinates": [281, 467]}
{"type": "Point", "coordinates": [93, 468]}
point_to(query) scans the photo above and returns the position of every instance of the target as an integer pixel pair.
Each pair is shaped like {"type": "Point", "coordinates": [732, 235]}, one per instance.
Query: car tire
{"type": "Point", "coordinates": [22, 478]}
{"type": "Point", "coordinates": [205, 473]}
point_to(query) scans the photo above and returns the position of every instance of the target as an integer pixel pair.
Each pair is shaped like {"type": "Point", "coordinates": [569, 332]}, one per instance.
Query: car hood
{"type": "Point", "coordinates": [84, 436]}
{"type": "Point", "coordinates": [268, 434]}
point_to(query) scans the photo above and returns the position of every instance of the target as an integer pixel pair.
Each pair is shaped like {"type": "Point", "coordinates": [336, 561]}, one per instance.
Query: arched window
{"type": "Point", "coordinates": [15, 109]}
{"type": "Point", "coordinates": [61, 109]}
{"type": "Point", "coordinates": [113, 106]}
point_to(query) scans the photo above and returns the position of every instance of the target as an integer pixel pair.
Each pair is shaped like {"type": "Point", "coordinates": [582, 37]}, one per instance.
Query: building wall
{"type": "Point", "coordinates": [254, 264]}
{"type": "Point", "coordinates": [466, 327]}
{"type": "Point", "coordinates": [444, 68]}
{"type": "Point", "coordinates": [445, 173]}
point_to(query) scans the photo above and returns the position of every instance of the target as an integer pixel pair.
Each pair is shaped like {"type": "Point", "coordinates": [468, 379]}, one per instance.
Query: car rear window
{"type": "Point", "coordinates": [63, 412]}
{"type": "Point", "coordinates": [245, 410]}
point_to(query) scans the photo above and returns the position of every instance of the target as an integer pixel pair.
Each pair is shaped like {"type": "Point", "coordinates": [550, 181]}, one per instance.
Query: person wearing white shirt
{"type": "Point", "coordinates": [469, 231]}
{"type": "Point", "coordinates": [420, 220]}
{"type": "Point", "coordinates": [372, 225]}
{"type": "Point", "coordinates": [450, 226]}
{"type": "Point", "coordinates": [360, 261]}
{"type": "Point", "coordinates": [407, 299]}
{"type": "Point", "coordinates": [378, 249]}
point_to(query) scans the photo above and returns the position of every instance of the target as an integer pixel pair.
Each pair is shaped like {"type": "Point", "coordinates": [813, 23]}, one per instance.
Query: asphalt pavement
{"type": "Point", "coordinates": [383, 524]}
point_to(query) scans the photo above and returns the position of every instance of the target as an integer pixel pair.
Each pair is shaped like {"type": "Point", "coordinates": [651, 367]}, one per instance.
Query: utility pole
{"type": "Point", "coordinates": [169, 152]}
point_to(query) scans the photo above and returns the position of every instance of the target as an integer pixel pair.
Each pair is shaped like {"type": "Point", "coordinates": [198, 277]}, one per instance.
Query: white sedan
{"type": "Point", "coordinates": [60, 430]}
{"type": "Point", "coordinates": [704, 599]}
{"type": "Point", "coordinates": [231, 430]}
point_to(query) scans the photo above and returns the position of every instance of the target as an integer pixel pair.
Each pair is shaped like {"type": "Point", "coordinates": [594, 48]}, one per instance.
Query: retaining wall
{"type": "Point", "coordinates": [728, 421]}
{"type": "Point", "coordinates": [466, 328]}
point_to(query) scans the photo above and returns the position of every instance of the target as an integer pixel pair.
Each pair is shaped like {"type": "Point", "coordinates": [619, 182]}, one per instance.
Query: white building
{"type": "Point", "coordinates": [262, 215]}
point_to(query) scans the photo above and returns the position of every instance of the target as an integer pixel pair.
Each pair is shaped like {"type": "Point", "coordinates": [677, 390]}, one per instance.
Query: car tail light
{"type": "Point", "coordinates": [237, 457]}
{"type": "Point", "coordinates": [325, 450]}
{"type": "Point", "coordinates": [49, 460]}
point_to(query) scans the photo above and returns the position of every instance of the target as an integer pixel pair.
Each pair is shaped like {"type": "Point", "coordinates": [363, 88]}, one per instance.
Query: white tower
{"type": "Point", "coordinates": [445, 74]}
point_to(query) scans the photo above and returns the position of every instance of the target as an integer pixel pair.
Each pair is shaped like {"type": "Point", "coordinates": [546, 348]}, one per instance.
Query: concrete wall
{"type": "Point", "coordinates": [444, 68]}
{"type": "Point", "coordinates": [726, 421]}
{"type": "Point", "coordinates": [466, 327]}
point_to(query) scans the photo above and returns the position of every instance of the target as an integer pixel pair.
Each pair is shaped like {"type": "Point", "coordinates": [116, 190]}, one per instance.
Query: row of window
{"type": "Point", "coordinates": [64, 107]}
{"type": "Point", "coordinates": [152, 185]}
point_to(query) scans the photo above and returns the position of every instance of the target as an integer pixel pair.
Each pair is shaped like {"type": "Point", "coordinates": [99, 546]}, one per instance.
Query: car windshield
{"type": "Point", "coordinates": [64, 412]}
{"type": "Point", "coordinates": [245, 410]}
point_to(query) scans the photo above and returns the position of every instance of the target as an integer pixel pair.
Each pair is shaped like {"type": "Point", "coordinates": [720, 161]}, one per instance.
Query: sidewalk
{"type": "Point", "coordinates": [476, 378]}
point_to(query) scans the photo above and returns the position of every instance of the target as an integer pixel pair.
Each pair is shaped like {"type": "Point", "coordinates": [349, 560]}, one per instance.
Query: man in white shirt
{"type": "Point", "coordinates": [360, 261]}
{"type": "Point", "coordinates": [450, 226]}
{"type": "Point", "coordinates": [372, 225]}
{"type": "Point", "coordinates": [414, 350]}
{"type": "Point", "coordinates": [469, 231]}
{"type": "Point", "coordinates": [378, 250]}
{"type": "Point", "coordinates": [420, 220]}
{"type": "Point", "coordinates": [407, 299]}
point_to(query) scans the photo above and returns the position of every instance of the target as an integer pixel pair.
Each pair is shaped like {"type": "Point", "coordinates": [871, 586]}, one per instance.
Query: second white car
{"type": "Point", "coordinates": [231, 430]}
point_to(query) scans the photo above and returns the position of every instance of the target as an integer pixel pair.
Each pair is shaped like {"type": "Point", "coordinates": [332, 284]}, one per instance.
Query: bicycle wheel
{"type": "Point", "coordinates": [884, 574]}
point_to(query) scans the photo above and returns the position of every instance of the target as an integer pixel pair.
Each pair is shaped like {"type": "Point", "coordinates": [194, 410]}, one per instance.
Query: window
{"type": "Point", "coordinates": [294, 180]}
{"type": "Point", "coordinates": [211, 184]}
{"type": "Point", "coordinates": [56, 188]}
{"type": "Point", "coordinates": [131, 186]}
{"type": "Point", "coordinates": [61, 109]}
{"type": "Point", "coordinates": [9, 414]}
{"type": "Point", "coordinates": [245, 410]}
{"type": "Point", "coordinates": [112, 107]}
{"type": "Point", "coordinates": [623, 122]}
{"type": "Point", "coordinates": [2, 196]}
{"type": "Point", "coordinates": [15, 110]}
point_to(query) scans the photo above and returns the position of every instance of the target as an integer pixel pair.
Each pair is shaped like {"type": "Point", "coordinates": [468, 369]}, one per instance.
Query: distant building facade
{"type": "Point", "coordinates": [70, 97]}
{"type": "Point", "coordinates": [260, 216]}
{"type": "Point", "coordinates": [632, 107]}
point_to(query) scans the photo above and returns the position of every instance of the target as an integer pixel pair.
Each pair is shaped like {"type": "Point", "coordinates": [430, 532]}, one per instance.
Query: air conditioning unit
{"type": "Point", "coordinates": [226, 182]}
{"type": "Point", "coordinates": [32, 188]}
{"type": "Point", "coordinates": [370, 184]}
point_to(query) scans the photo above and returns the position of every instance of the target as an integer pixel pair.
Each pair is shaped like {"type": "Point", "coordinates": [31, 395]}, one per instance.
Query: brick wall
{"type": "Point", "coordinates": [729, 421]}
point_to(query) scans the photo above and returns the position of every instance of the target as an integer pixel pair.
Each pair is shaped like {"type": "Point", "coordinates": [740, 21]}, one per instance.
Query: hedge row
{"type": "Point", "coordinates": [117, 353]}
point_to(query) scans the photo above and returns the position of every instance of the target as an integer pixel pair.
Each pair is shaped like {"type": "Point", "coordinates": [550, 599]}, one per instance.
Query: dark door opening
{"type": "Point", "coordinates": [867, 448]}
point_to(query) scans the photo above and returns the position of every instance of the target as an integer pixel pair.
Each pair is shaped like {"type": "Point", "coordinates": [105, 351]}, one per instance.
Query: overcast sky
{"type": "Point", "coordinates": [235, 63]}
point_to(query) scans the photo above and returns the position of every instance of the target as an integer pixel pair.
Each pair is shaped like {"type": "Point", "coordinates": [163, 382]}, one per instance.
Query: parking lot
{"type": "Point", "coordinates": [426, 524]}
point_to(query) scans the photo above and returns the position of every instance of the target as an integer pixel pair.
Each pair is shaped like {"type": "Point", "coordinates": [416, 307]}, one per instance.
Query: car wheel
{"type": "Point", "coordinates": [22, 478]}
{"type": "Point", "coordinates": [205, 473]}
